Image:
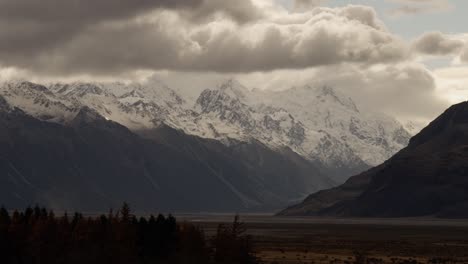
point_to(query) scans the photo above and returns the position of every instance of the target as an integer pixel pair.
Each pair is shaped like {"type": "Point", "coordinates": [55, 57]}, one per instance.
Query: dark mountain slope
{"type": "Point", "coordinates": [95, 164]}
{"type": "Point", "coordinates": [268, 177]}
{"type": "Point", "coordinates": [428, 178]}
{"type": "Point", "coordinates": [92, 164]}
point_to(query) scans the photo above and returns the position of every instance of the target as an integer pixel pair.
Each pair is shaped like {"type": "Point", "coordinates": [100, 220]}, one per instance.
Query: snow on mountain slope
{"type": "Point", "coordinates": [38, 101]}
{"type": "Point", "coordinates": [135, 105]}
{"type": "Point", "coordinates": [231, 111]}
{"type": "Point", "coordinates": [373, 137]}
{"type": "Point", "coordinates": [263, 116]}
{"type": "Point", "coordinates": [318, 123]}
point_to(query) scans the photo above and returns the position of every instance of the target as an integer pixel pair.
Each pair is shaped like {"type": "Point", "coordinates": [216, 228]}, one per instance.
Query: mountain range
{"type": "Point", "coordinates": [92, 145]}
{"type": "Point", "coordinates": [429, 178]}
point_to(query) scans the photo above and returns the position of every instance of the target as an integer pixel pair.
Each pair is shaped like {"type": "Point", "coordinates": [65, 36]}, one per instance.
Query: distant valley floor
{"type": "Point", "coordinates": [339, 241]}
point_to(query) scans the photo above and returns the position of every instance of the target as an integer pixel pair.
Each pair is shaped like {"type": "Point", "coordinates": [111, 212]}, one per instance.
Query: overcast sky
{"type": "Point", "coordinates": [408, 58]}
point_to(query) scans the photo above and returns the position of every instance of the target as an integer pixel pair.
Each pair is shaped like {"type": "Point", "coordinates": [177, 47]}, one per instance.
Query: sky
{"type": "Point", "coordinates": [407, 58]}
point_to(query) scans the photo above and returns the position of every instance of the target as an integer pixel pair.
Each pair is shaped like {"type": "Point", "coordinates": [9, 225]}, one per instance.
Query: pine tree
{"type": "Point", "coordinates": [4, 217]}
{"type": "Point", "coordinates": [238, 227]}
{"type": "Point", "coordinates": [125, 213]}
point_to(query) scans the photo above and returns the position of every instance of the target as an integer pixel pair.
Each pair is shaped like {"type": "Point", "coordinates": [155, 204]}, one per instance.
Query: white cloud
{"type": "Point", "coordinates": [304, 5]}
{"type": "Point", "coordinates": [436, 43]}
{"type": "Point", "coordinates": [452, 83]}
{"type": "Point", "coordinates": [406, 91]}
{"type": "Point", "coordinates": [464, 54]}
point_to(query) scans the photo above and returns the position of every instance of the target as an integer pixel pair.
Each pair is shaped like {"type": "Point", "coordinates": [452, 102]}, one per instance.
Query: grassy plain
{"type": "Point", "coordinates": [350, 241]}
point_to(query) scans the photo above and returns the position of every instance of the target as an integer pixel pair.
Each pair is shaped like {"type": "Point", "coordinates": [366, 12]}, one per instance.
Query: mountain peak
{"type": "Point", "coordinates": [78, 89]}
{"type": "Point", "coordinates": [234, 88]}
{"type": "Point", "coordinates": [87, 115]}
{"type": "Point", "coordinates": [326, 91]}
{"type": "Point", "coordinates": [458, 113]}
{"type": "Point", "coordinates": [230, 94]}
{"type": "Point", "coordinates": [294, 118]}
{"type": "Point", "coordinates": [231, 82]}
{"type": "Point", "coordinates": [453, 118]}
{"type": "Point", "coordinates": [31, 88]}
{"type": "Point", "coordinates": [151, 89]}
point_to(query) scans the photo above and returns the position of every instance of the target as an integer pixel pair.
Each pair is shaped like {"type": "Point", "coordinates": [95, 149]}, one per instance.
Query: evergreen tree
{"type": "Point", "coordinates": [39, 236]}
{"type": "Point", "coordinates": [125, 213]}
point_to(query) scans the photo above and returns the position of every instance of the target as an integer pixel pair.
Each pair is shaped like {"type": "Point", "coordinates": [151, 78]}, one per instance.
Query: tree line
{"type": "Point", "coordinates": [37, 235]}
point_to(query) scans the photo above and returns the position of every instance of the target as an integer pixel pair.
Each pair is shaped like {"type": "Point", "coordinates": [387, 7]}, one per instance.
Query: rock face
{"type": "Point", "coordinates": [274, 147]}
{"type": "Point", "coordinates": [427, 178]}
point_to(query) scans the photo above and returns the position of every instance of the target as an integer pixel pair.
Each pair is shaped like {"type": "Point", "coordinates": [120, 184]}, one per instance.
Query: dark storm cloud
{"type": "Point", "coordinates": [82, 11]}
{"type": "Point", "coordinates": [95, 37]}
{"type": "Point", "coordinates": [28, 26]}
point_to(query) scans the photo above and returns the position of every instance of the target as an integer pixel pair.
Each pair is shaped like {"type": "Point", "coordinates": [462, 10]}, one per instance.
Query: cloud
{"type": "Point", "coordinates": [436, 43]}
{"type": "Point", "coordinates": [30, 26]}
{"type": "Point", "coordinates": [90, 11]}
{"type": "Point", "coordinates": [464, 54]}
{"type": "Point", "coordinates": [241, 11]}
{"type": "Point", "coordinates": [407, 91]}
{"type": "Point", "coordinates": [303, 5]}
{"type": "Point", "coordinates": [83, 10]}
{"type": "Point", "coordinates": [414, 7]}
{"type": "Point", "coordinates": [183, 40]}
{"type": "Point", "coordinates": [27, 26]}
{"type": "Point", "coordinates": [200, 42]}
{"type": "Point", "coordinates": [452, 82]}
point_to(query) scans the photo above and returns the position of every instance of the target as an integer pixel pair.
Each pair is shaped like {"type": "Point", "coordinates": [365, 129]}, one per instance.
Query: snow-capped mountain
{"type": "Point", "coordinates": [318, 123]}
{"type": "Point", "coordinates": [231, 112]}
{"type": "Point", "coordinates": [136, 106]}
{"type": "Point", "coordinates": [373, 137]}
{"type": "Point", "coordinates": [91, 163]}
{"type": "Point", "coordinates": [39, 101]}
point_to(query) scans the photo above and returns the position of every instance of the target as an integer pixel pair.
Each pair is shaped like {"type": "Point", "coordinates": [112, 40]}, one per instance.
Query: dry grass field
{"type": "Point", "coordinates": [341, 241]}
